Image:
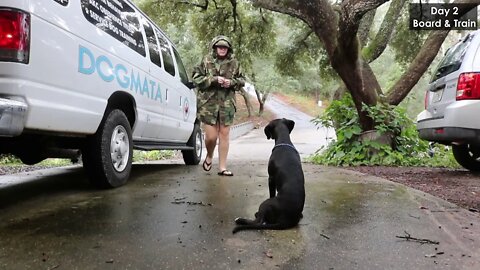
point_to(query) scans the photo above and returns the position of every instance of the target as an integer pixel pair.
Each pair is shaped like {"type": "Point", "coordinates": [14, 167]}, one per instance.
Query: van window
{"type": "Point", "coordinates": [116, 18]}
{"type": "Point", "coordinates": [181, 68]}
{"type": "Point", "coordinates": [152, 43]}
{"type": "Point", "coordinates": [166, 54]}
{"type": "Point", "coordinates": [453, 58]}
{"type": "Point", "coordinates": [62, 2]}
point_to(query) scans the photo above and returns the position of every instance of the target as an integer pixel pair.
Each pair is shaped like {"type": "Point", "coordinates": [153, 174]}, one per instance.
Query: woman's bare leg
{"type": "Point", "coordinates": [211, 135]}
{"type": "Point", "coordinates": [223, 146]}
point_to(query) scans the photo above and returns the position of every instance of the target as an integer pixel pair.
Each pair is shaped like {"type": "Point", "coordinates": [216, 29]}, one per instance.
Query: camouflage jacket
{"type": "Point", "coordinates": [210, 94]}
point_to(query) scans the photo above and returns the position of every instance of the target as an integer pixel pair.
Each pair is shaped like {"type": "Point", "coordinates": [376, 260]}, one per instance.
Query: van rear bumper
{"type": "Point", "coordinates": [449, 135]}
{"type": "Point", "coordinates": [13, 115]}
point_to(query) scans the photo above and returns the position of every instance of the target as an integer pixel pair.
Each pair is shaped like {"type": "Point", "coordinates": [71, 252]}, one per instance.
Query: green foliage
{"type": "Point", "coordinates": [9, 160]}
{"type": "Point", "coordinates": [55, 162]}
{"type": "Point", "coordinates": [349, 150]}
{"type": "Point", "coordinates": [406, 42]}
{"type": "Point", "coordinates": [139, 156]}
{"type": "Point", "coordinates": [192, 26]}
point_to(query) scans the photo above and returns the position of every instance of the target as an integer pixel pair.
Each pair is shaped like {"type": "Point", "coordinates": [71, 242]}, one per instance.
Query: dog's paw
{"type": "Point", "coordinates": [241, 221]}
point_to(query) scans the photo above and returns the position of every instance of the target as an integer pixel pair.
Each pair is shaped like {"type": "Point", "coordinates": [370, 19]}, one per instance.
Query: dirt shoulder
{"type": "Point", "coordinates": [457, 186]}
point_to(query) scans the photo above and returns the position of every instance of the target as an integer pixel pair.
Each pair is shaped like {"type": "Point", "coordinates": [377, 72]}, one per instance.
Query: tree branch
{"type": "Point", "coordinates": [379, 43]}
{"type": "Point", "coordinates": [288, 7]}
{"type": "Point", "coordinates": [351, 15]}
{"type": "Point", "coordinates": [417, 68]}
{"type": "Point", "coordinates": [301, 40]}
{"type": "Point", "coordinates": [234, 14]}
{"type": "Point", "coordinates": [352, 12]}
{"type": "Point", "coordinates": [317, 14]}
{"type": "Point", "coordinates": [422, 61]}
{"type": "Point", "coordinates": [419, 240]}
{"type": "Point", "coordinates": [204, 6]}
{"type": "Point", "coordinates": [365, 26]}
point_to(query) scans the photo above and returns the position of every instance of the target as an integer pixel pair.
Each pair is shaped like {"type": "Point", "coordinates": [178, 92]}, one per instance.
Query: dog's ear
{"type": "Point", "coordinates": [269, 131]}
{"type": "Point", "coordinates": [289, 123]}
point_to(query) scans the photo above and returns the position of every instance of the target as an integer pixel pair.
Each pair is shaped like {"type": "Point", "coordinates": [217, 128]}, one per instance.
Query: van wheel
{"type": "Point", "coordinates": [468, 156]}
{"type": "Point", "coordinates": [107, 155]}
{"type": "Point", "coordinates": [31, 159]}
{"type": "Point", "coordinates": [192, 157]}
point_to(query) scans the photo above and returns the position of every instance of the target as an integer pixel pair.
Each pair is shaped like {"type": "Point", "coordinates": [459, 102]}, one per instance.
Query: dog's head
{"type": "Point", "coordinates": [270, 128]}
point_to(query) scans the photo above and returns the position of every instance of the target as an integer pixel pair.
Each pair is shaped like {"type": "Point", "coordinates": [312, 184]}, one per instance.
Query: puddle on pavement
{"type": "Point", "coordinates": [193, 214]}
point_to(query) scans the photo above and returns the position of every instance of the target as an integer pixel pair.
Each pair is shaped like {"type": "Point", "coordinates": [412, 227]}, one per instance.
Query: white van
{"type": "Point", "coordinates": [96, 76]}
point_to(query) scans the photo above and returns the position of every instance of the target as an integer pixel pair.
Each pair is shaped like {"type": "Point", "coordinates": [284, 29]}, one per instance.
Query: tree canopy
{"type": "Point", "coordinates": [334, 39]}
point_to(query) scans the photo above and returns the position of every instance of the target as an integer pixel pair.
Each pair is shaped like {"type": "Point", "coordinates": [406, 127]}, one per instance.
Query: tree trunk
{"type": "Point", "coordinates": [341, 90]}
{"type": "Point", "coordinates": [360, 82]}
{"type": "Point", "coordinates": [261, 100]}
{"type": "Point", "coordinates": [246, 97]}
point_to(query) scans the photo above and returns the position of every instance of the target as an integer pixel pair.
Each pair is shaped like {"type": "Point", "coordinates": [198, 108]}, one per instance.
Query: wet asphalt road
{"type": "Point", "coordinates": [172, 216]}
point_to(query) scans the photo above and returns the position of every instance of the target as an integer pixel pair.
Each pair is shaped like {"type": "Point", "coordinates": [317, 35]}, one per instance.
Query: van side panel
{"type": "Point", "coordinates": [78, 60]}
{"type": "Point", "coordinates": [19, 4]}
{"type": "Point", "coordinates": [64, 42]}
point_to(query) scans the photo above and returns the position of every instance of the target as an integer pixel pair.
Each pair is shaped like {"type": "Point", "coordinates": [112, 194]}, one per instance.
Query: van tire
{"type": "Point", "coordinates": [102, 170]}
{"type": "Point", "coordinates": [31, 159]}
{"type": "Point", "coordinates": [468, 156]}
{"type": "Point", "coordinates": [192, 157]}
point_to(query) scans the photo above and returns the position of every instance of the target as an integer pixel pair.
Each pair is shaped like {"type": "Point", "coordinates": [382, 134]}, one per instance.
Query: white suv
{"type": "Point", "coordinates": [452, 103]}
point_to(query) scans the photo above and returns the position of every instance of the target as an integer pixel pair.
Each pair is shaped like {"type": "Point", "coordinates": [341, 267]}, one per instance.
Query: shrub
{"type": "Point", "coordinates": [407, 148]}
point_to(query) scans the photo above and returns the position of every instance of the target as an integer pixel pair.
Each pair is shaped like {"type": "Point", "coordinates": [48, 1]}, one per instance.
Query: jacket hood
{"type": "Point", "coordinates": [221, 38]}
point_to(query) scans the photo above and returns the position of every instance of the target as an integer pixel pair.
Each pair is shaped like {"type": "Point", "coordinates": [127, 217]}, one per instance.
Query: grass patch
{"type": "Point", "coordinates": [306, 104]}
{"type": "Point", "coordinates": [139, 156]}
{"type": "Point", "coordinates": [241, 116]}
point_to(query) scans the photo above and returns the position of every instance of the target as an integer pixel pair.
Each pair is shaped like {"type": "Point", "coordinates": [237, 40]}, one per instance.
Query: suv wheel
{"type": "Point", "coordinates": [468, 156]}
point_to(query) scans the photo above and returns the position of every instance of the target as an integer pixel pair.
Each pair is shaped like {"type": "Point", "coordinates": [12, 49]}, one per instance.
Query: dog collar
{"type": "Point", "coordinates": [285, 144]}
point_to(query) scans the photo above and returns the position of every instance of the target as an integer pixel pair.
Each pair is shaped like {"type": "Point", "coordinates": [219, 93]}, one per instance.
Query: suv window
{"type": "Point", "coordinates": [453, 58]}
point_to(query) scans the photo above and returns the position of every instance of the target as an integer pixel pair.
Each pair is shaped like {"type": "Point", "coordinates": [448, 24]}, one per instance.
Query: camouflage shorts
{"type": "Point", "coordinates": [222, 116]}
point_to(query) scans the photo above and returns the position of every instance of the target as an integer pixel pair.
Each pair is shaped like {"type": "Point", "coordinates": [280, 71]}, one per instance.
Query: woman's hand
{"type": "Point", "coordinates": [226, 83]}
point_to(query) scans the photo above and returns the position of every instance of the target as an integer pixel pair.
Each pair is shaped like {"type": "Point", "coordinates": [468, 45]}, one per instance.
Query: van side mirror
{"type": "Point", "coordinates": [190, 85]}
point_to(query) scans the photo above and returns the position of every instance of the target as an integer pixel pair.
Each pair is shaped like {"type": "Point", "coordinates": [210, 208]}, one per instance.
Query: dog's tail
{"type": "Point", "coordinates": [259, 226]}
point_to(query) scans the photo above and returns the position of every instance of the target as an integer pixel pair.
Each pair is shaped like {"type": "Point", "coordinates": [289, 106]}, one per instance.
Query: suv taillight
{"type": "Point", "coordinates": [14, 35]}
{"type": "Point", "coordinates": [468, 86]}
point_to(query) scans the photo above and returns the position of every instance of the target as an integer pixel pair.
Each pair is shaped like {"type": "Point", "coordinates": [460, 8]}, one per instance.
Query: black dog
{"type": "Point", "coordinates": [285, 172]}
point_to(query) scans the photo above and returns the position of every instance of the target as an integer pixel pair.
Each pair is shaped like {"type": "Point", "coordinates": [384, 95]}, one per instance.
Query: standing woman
{"type": "Point", "coordinates": [216, 78]}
